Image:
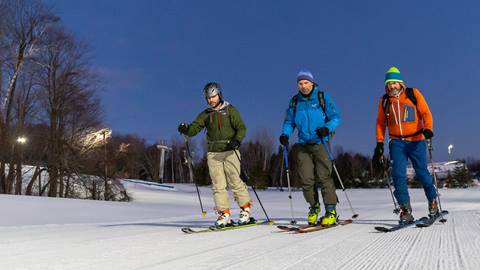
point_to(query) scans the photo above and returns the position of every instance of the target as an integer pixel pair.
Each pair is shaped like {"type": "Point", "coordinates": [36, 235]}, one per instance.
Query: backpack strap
{"type": "Point", "coordinates": [293, 103]}
{"type": "Point", "coordinates": [385, 104]}
{"type": "Point", "coordinates": [323, 105]}
{"type": "Point", "coordinates": [411, 95]}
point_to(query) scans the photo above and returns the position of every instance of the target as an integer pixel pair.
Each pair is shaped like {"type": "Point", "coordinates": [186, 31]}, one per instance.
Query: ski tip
{"type": "Point", "coordinates": [293, 222]}
{"type": "Point", "coordinates": [382, 229]}
{"type": "Point", "coordinates": [287, 228]}
{"type": "Point", "coordinates": [355, 216]}
{"type": "Point", "coordinates": [187, 230]}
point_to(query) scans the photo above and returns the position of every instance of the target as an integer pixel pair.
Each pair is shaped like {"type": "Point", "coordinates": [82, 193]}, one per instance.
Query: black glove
{"type": "Point", "coordinates": [378, 154]}
{"type": "Point", "coordinates": [427, 133]}
{"type": "Point", "coordinates": [183, 128]}
{"type": "Point", "coordinates": [284, 140]}
{"type": "Point", "coordinates": [322, 132]}
{"type": "Point", "coordinates": [233, 145]}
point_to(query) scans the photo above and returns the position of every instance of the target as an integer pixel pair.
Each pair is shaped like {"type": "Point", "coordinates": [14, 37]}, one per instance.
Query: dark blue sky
{"type": "Point", "coordinates": [157, 55]}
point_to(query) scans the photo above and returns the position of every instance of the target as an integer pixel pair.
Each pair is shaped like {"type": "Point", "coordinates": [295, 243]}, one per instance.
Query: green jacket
{"type": "Point", "coordinates": [222, 126]}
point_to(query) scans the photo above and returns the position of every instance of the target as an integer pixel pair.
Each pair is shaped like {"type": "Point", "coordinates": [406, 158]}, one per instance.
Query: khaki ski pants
{"type": "Point", "coordinates": [224, 169]}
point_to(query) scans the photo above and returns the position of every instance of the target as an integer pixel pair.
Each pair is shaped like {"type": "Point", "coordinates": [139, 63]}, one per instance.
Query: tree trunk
{"type": "Point", "coordinates": [53, 156]}
{"type": "Point", "coordinates": [67, 187]}
{"type": "Point", "coordinates": [3, 179]}
{"type": "Point", "coordinates": [94, 190]}
{"type": "Point", "coordinates": [53, 181]}
{"type": "Point", "coordinates": [40, 183]}
{"type": "Point", "coordinates": [18, 178]}
{"type": "Point", "coordinates": [29, 190]}
{"type": "Point", "coordinates": [61, 184]}
{"type": "Point", "coordinates": [10, 177]}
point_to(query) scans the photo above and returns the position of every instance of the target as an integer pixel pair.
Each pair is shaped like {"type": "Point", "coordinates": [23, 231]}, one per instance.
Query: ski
{"type": "Point", "coordinates": [396, 227]}
{"type": "Point", "coordinates": [320, 227]}
{"type": "Point", "coordinates": [428, 221]}
{"type": "Point", "coordinates": [293, 228]}
{"type": "Point", "coordinates": [312, 228]}
{"type": "Point", "coordinates": [422, 222]}
{"type": "Point", "coordinates": [235, 226]}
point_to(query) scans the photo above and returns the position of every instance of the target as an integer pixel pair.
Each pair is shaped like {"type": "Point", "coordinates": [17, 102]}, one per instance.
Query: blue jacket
{"type": "Point", "coordinates": [309, 116]}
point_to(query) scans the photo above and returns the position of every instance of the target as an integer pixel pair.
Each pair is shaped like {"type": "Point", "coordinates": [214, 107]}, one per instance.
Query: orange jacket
{"type": "Point", "coordinates": [403, 117]}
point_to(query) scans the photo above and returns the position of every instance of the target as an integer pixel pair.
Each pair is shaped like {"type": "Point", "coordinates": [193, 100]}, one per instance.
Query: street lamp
{"type": "Point", "coordinates": [450, 152]}
{"type": "Point", "coordinates": [21, 140]}
{"type": "Point", "coordinates": [95, 139]}
{"type": "Point", "coordinates": [18, 182]}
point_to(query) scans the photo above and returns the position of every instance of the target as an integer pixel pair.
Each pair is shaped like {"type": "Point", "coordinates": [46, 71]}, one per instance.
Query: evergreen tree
{"type": "Point", "coordinates": [463, 176]}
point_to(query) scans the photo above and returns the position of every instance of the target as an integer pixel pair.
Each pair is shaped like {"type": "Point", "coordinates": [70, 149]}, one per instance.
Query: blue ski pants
{"type": "Point", "coordinates": [416, 151]}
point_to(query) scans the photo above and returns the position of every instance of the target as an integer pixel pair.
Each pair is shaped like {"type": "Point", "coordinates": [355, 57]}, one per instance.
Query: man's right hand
{"type": "Point", "coordinates": [284, 140]}
{"type": "Point", "coordinates": [378, 154]}
{"type": "Point", "coordinates": [183, 128]}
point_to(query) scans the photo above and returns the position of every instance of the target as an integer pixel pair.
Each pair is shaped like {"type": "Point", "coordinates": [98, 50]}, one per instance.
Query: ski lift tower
{"type": "Point", "coordinates": [163, 149]}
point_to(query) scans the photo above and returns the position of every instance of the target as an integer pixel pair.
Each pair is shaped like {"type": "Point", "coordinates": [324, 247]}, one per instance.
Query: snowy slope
{"type": "Point", "coordinates": [46, 233]}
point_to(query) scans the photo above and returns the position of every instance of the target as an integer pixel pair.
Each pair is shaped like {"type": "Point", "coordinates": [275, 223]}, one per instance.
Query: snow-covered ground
{"type": "Point", "coordinates": [48, 233]}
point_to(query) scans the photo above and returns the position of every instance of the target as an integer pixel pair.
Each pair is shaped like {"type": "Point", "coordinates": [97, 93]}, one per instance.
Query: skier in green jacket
{"type": "Point", "coordinates": [225, 131]}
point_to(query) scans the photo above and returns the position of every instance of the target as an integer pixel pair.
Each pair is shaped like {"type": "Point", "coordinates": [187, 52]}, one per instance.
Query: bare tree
{"type": "Point", "coordinates": [24, 23]}
{"type": "Point", "coordinates": [69, 97]}
{"type": "Point", "coordinates": [25, 108]}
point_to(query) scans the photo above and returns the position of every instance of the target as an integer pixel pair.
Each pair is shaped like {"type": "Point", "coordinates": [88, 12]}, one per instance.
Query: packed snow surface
{"type": "Point", "coordinates": [54, 233]}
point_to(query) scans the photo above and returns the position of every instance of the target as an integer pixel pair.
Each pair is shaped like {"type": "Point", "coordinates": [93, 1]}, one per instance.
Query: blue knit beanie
{"type": "Point", "coordinates": [305, 75]}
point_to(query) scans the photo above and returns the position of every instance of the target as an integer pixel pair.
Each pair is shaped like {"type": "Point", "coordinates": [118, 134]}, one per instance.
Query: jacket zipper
{"type": "Point", "coordinates": [399, 117]}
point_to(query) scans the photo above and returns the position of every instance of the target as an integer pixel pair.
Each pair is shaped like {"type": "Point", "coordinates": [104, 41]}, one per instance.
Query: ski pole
{"type": "Point", "coordinates": [287, 172]}
{"type": "Point", "coordinates": [253, 188]}
{"type": "Point", "coordinates": [435, 183]}
{"type": "Point", "coordinates": [339, 179]}
{"type": "Point", "coordinates": [190, 165]}
{"type": "Point", "coordinates": [396, 209]}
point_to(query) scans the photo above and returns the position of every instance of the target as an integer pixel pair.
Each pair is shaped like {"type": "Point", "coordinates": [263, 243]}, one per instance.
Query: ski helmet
{"type": "Point", "coordinates": [212, 89]}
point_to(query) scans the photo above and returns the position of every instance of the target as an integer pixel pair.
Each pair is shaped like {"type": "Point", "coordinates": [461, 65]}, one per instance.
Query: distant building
{"type": "Point", "coordinates": [441, 168]}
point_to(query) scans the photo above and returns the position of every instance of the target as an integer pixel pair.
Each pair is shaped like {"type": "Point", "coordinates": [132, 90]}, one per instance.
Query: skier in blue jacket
{"type": "Point", "coordinates": [314, 114]}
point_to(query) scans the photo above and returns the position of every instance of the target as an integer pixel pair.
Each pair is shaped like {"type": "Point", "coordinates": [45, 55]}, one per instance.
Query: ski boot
{"type": "Point", "coordinates": [433, 211]}
{"type": "Point", "coordinates": [313, 214]}
{"type": "Point", "coordinates": [223, 219]}
{"type": "Point", "coordinates": [330, 217]}
{"type": "Point", "coordinates": [406, 216]}
{"type": "Point", "coordinates": [244, 217]}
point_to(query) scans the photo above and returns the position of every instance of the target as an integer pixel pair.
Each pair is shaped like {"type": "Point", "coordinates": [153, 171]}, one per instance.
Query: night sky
{"type": "Point", "coordinates": [156, 56]}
